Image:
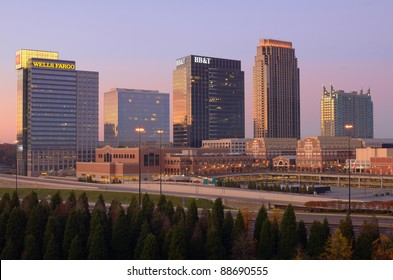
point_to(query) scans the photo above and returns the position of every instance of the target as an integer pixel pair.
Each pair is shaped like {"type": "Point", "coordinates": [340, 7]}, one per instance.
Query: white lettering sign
{"type": "Point", "coordinates": [180, 61]}
{"type": "Point", "coordinates": [204, 60]}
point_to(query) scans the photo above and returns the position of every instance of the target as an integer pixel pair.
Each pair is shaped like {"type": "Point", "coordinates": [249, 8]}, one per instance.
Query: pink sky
{"type": "Point", "coordinates": [135, 45]}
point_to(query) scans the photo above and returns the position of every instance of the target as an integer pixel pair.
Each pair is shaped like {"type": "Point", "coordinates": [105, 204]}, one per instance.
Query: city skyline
{"type": "Point", "coordinates": [138, 41]}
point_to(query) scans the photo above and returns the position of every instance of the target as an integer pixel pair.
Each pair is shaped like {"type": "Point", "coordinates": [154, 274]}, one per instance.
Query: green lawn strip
{"type": "Point", "coordinates": [109, 196]}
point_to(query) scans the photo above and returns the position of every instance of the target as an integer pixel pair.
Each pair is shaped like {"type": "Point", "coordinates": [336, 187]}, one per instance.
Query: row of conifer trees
{"type": "Point", "coordinates": [74, 229]}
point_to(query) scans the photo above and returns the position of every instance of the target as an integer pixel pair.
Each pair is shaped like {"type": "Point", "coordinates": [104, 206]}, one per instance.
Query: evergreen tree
{"type": "Point", "coordinates": [217, 215]}
{"type": "Point", "coordinates": [287, 234]}
{"type": "Point", "coordinates": [14, 200]}
{"type": "Point", "coordinates": [346, 228]}
{"type": "Point", "coordinates": [31, 250]}
{"type": "Point", "coordinates": [52, 251]}
{"type": "Point", "coordinates": [3, 228]}
{"type": "Point", "coordinates": [161, 203]}
{"type": "Point", "coordinates": [177, 247]}
{"type": "Point", "coordinates": [150, 249]}
{"type": "Point", "coordinates": [16, 227]}
{"type": "Point", "coordinates": [147, 206]}
{"type": "Point", "coordinates": [29, 202]}
{"type": "Point", "coordinates": [133, 208]}
{"type": "Point", "coordinates": [98, 248]}
{"type": "Point", "coordinates": [76, 252]}
{"type": "Point", "coordinates": [5, 204]}
{"type": "Point", "coordinates": [227, 231]}
{"type": "Point", "coordinates": [55, 201]}
{"type": "Point", "coordinates": [98, 218]}
{"type": "Point", "coordinates": [121, 238]}
{"type": "Point", "coordinates": [317, 240]}
{"type": "Point", "coordinates": [100, 203]}
{"type": "Point", "coordinates": [53, 228]}
{"type": "Point", "coordinates": [238, 228]}
{"type": "Point", "coordinates": [197, 242]}
{"type": "Point", "coordinates": [10, 252]}
{"type": "Point", "coordinates": [364, 243]}
{"type": "Point", "coordinates": [169, 210]}
{"type": "Point", "coordinates": [179, 217]}
{"type": "Point", "coordinates": [265, 246]}
{"type": "Point", "coordinates": [141, 240]}
{"type": "Point", "coordinates": [275, 235]}
{"type": "Point", "coordinates": [301, 233]}
{"type": "Point", "coordinates": [214, 248]}
{"type": "Point", "coordinates": [114, 211]}
{"type": "Point", "coordinates": [36, 227]}
{"type": "Point", "coordinates": [83, 203]}
{"type": "Point", "coordinates": [261, 217]}
{"type": "Point", "coordinates": [192, 215]}
{"type": "Point", "coordinates": [71, 202]}
{"type": "Point", "coordinates": [71, 230]}
{"type": "Point", "coordinates": [337, 247]}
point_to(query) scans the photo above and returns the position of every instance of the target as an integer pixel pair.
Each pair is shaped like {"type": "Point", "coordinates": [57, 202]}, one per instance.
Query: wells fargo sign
{"type": "Point", "coordinates": [54, 65]}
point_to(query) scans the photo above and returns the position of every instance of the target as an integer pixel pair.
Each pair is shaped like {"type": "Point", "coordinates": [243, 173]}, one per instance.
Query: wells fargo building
{"type": "Point", "coordinates": [208, 100]}
{"type": "Point", "coordinates": [57, 114]}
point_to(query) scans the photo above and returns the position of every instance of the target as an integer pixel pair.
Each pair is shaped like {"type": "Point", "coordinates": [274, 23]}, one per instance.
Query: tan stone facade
{"type": "Point", "coordinates": [263, 150]}
{"type": "Point", "coordinates": [374, 160]}
{"type": "Point", "coordinates": [325, 153]}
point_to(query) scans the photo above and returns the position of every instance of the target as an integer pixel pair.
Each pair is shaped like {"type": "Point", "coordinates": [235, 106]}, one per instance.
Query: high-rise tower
{"type": "Point", "coordinates": [276, 91]}
{"type": "Point", "coordinates": [208, 100]}
{"type": "Point", "coordinates": [339, 108]}
{"type": "Point", "coordinates": [127, 109]}
{"type": "Point", "coordinates": [57, 114]}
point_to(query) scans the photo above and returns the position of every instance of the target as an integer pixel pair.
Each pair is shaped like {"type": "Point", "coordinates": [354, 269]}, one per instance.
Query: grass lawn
{"type": "Point", "coordinates": [109, 196]}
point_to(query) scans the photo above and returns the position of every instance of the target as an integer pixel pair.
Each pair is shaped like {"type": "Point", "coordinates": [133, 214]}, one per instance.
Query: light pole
{"type": "Point", "coordinates": [348, 128]}
{"type": "Point", "coordinates": [16, 167]}
{"type": "Point", "coordinates": [160, 131]}
{"type": "Point", "coordinates": [139, 130]}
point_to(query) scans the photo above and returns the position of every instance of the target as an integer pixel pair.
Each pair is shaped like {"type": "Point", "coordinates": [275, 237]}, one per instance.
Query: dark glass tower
{"type": "Point", "coordinates": [208, 100]}
{"type": "Point", "coordinates": [57, 114]}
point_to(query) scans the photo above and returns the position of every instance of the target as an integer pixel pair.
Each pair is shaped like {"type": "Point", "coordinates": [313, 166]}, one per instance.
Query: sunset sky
{"type": "Point", "coordinates": [135, 44]}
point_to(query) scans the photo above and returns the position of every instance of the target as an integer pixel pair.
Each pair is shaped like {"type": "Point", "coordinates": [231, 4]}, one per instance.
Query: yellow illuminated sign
{"type": "Point", "coordinates": [54, 65]}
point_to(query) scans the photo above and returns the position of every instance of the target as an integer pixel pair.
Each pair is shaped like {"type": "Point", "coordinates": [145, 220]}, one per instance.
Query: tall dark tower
{"type": "Point", "coordinates": [276, 91]}
{"type": "Point", "coordinates": [208, 100]}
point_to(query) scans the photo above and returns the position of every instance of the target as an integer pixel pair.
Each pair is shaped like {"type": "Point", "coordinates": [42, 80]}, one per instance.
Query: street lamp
{"type": "Point", "coordinates": [160, 131]}
{"type": "Point", "coordinates": [16, 167]}
{"type": "Point", "coordinates": [139, 130]}
{"type": "Point", "coordinates": [348, 128]}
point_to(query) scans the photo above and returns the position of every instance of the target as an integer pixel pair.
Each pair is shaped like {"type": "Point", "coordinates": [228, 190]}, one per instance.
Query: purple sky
{"type": "Point", "coordinates": [135, 44]}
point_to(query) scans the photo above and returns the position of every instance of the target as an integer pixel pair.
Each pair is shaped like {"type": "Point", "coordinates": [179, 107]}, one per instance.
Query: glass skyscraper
{"type": "Point", "coordinates": [276, 91]}
{"type": "Point", "coordinates": [339, 108]}
{"type": "Point", "coordinates": [127, 109]}
{"type": "Point", "coordinates": [57, 114]}
{"type": "Point", "coordinates": [208, 100]}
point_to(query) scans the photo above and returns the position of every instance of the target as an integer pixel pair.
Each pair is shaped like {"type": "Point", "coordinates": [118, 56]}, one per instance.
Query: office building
{"type": "Point", "coordinates": [57, 114]}
{"type": "Point", "coordinates": [127, 109]}
{"type": "Point", "coordinates": [208, 100]}
{"type": "Point", "coordinates": [325, 153]}
{"type": "Point", "coordinates": [264, 150]}
{"type": "Point", "coordinates": [339, 108]}
{"type": "Point", "coordinates": [235, 145]}
{"type": "Point", "coordinates": [276, 91]}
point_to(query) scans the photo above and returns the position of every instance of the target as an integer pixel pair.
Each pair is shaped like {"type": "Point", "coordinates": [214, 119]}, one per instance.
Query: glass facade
{"type": "Point", "coordinates": [208, 100]}
{"type": "Point", "coordinates": [127, 109]}
{"type": "Point", "coordinates": [57, 117]}
{"type": "Point", "coordinates": [339, 108]}
{"type": "Point", "coordinates": [276, 91]}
